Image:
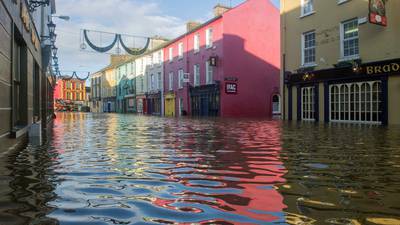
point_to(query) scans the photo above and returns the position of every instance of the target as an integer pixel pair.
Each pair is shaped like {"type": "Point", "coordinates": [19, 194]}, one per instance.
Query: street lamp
{"type": "Point", "coordinates": [52, 27]}
{"type": "Point", "coordinates": [33, 4]}
{"type": "Point", "coordinates": [55, 60]}
{"type": "Point", "coordinates": [54, 49]}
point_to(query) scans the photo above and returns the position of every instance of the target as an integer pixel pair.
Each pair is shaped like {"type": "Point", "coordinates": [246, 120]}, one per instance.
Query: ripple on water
{"type": "Point", "coordinates": [126, 169]}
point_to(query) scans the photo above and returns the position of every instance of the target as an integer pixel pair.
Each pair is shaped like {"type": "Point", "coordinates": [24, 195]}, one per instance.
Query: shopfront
{"type": "Point", "coordinates": [130, 101]}
{"type": "Point", "coordinates": [205, 100]}
{"type": "Point", "coordinates": [170, 104]}
{"type": "Point", "coordinates": [154, 103]}
{"type": "Point", "coordinates": [141, 103]}
{"type": "Point", "coordinates": [363, 93]}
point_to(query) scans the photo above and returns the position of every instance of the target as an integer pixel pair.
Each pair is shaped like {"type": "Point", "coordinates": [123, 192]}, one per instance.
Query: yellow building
{"type": "Point", "coordinates": [341, 61]}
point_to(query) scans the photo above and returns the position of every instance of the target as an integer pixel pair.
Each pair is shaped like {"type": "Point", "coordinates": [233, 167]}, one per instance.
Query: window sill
{"type": "Point", "coordinates": [308, 65]}
{"type": "Point", "coordinates": [340, 2]}
{"type": "Point", "coordinates": [19, 131]}
{"type": "Point", "coordinates": [307, 14]}
{"type": "Point", "coordinates": [349, 58]}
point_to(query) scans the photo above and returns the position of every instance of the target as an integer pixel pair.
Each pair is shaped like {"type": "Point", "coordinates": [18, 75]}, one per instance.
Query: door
{"type": "Point", "coordinates": [203, 106]}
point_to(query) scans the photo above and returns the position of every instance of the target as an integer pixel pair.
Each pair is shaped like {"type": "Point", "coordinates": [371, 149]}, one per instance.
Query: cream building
{"type": "Point", "coordinates": [338, 65]}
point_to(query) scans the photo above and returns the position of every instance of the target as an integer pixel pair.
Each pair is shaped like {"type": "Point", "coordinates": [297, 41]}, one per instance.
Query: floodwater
{"type": "Point", "coordinates": [126, 169]}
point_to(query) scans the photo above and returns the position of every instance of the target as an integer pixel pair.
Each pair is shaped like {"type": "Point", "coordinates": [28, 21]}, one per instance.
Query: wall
{"type": "Point", "coordinates": [191, 58]}
{"type": "Point", "coordinates": [251, 53]}
{"type": "Point", "coordinates": [376, 42]}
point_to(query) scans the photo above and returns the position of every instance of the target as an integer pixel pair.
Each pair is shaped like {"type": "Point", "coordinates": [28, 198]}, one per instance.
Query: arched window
{"type": "Point", "coordinates": [356, 102]}
{"type": "Point", "coordinates": [276, 105]}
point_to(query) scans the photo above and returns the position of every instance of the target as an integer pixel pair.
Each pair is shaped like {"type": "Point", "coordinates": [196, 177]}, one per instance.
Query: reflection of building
{"type": "Point", "coordinates": [69, 94]}
{"type": "Point", "coordinates": [95, 85]}
{"type": "Point", "coordinates": [338, 67]}
{"type": "Point", "coordinates": [25, 76]}
{"type": "Point", "coordinates": [228, 66]}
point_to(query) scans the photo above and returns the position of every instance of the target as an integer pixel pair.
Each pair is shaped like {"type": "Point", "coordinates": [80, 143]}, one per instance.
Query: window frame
{"type": "Point", "coordinates": [209, 37]}
{"type": "Point", "coordinates": [303, 49]}
{"type": "Point", "coordinates": [180, 78]}
{"type": "Point", "coordinates": [170, 54]}
{"type": "Point", "coordinates": [308, 100]}
{"type": "Point", "coordinates": [196, 75]}
{"type": "Point", "coordinates": [342, 40]}
{"type": "Point", "coordinates": [171, 81]}
{"type": "Point", "coordinates": [180, 50]}
{"type": "Point", "coordinates": [196, 43]}
{"type": "Point", "coordinates": [302, 8]}
{"type": "Point", "coordinates": [209, 70]}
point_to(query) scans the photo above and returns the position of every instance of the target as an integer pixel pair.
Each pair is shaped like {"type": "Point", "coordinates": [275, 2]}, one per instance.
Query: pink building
{"type": "Point", "coordinates": [228, 66]}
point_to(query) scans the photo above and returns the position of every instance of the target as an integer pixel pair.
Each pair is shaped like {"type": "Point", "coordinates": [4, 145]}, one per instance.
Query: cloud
{"type": "Point", "coordinates": [143, 18]}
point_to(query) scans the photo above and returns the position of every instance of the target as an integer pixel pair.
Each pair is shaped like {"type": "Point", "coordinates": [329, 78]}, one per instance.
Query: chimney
{"type": "Point", "coordinates": [191, 25]}
{"type": "Point", "coordinates": [220, 9]}
{"type": "Point", "coordinates": [116, 59]}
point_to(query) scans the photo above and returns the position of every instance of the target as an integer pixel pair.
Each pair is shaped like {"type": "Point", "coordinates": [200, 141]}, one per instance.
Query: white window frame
{"type": "Point", "coordinates": [170, 54]}
{"type": "Point", "coordinates": [209, 37]}
{"type": "Point", "coordinates": [180, 50]}
{"type": "Point", "coordinates": [344, 104]}
{"type": "Point", "coordinates": [209, 73]}
{"type": "Point", "coordinates": [303, 49]}
{"type": "Point", "coordinates": [342, 40]}
{"type": "Point", "coordinates": [196, 43]}
{"type": "Point", "coordinates": [308, 110]}
{"type": "Point", "coordinates": [196, 75]}
{"type": "Point", "coordinates": [171, 81]}
{"type": "Point", "coordinates": [180, 77]}
{"type": "Point", "coordinates": [304, 7]}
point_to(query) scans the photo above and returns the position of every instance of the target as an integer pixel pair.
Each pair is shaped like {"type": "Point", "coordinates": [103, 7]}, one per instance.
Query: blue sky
{"type": "Point", "coordinates": [166, 18]}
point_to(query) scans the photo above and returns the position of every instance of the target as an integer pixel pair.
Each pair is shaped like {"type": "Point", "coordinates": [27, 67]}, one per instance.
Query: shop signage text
{"type": "Point", "coordinates": [379, 69]}
{"type": "Point", "coordinates": [231, 88]}
{"type": "Point", "coordinates": [26, 21]}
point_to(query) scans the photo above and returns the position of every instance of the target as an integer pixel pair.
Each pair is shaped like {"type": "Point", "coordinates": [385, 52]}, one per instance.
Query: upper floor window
{"type": "Point", "coordinates": [209, 73]}
{"type": "Point", "coordinates": [180, 75]}
{"type": "Point", "coordinates": [160, 58]}
{"type": "Point", "coordinates": [308, 48]}
{"type": "Point", "coordinates": [209, 37]}
{"type": "Point", "coordinates": [159, 81]}
{"type": "Point", "coordinates": [349, 39]}
{"type": "Point", "coordinates": [171, 81]}
{"type": "Point", "coordinates": [307, 7]}
{"type": "Point", "coordinates": [170, 51]}
{"type": "Point", "coordinates": [196, 43]}
{"type": "Point", "coordinates": [196, 75]}
{"type": "Point", "coordinates": [180, 50]}
{"type": "Point", "coordinates": [152, 82]}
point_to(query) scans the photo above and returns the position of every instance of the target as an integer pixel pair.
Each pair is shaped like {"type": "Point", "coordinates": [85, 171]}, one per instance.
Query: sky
{"type": "Point", "coordinates": [166, 18]}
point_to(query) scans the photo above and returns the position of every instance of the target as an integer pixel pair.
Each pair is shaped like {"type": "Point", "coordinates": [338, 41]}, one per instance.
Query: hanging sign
{"type": "Point", "coordinates": [377, 12]}
{"type": "Point", "coordinates": [231, 88]}
{"type": "Point", "coordinates": [213, 60]}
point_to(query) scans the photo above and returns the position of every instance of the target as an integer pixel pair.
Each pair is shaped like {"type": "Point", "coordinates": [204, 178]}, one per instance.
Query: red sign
{"type": "Point", "coordinates": [377, 12]}
{"type": "Point", "coordinates": [231, 88]}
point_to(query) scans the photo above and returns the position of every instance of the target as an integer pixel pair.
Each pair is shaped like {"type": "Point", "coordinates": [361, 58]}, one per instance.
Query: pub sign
{"type": "Point", "coordinates": [377, 12]}
{"type": "Point", "coordinates": [213, 60]}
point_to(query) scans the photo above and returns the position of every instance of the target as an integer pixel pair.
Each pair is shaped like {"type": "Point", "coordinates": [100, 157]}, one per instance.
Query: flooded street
{"type": "Point", "coordinates": [126, 169]}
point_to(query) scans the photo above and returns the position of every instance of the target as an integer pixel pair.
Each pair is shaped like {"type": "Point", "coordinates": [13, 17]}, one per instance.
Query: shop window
{"type": "Point", "coordinates": [19, 96]}
{"type": "Point", "coordinates": [276, 105]}
{"type": "Point", "coordinates": [356, 102]}
{"type": "Point", "coordinates": [308, 103]}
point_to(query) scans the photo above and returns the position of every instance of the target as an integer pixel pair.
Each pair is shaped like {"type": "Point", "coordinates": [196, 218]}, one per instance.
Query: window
{"type": "Point", "coordinates": [209, 73]}
{"type": "Point", "coordinates": [170, 54]}
{"type": "Point", "coordinates": [307, 7]}
{"type": "Point", "coordinates": [180, 50]}
{"type": "Point", "coordinates": [308, 103]}
{"type": "Point", "coordinates": [159, 81]}
{"type": "Point", "coordinates": [356, 102]}
{"type": "Point", "coordinates": [160, 57]}
{"type": "Point", "coordinates": [180, 75]}
{"type": "Point", "coordinates": [68, 85]}
{"type": "Point", "coordinates": [196, 75]}
{"type": "Point", "coordinates": [141, 84]}
{"type": "Point", "coordinates": [171, 81]}
{"type": "Point", "coordinates": [196, 43]}
{"type": "Point", "coordinates": [152, 82]}
{"type": "Point", "coordinates": [308, 48]}
{"type": "Point", "coordinates": [19, 94]}
{"type": "Point", "coordinates": [276, 105]}
{"type": "Point", "coordinates": [180, 106]}
{"type": "Point", "coordinates": [349, 39]}
{"type": "Point", "coordinates": [209, 38]}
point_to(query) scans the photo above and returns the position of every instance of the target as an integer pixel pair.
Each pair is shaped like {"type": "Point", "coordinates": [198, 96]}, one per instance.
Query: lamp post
{"type": "Point", "coordinates": [33, 4]}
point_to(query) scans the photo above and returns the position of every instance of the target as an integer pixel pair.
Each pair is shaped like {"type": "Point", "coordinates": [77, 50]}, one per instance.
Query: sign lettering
{"type": "Point", "coordinates": [231, 88]}
{"type": "Point", "coordinates": [389, 68]}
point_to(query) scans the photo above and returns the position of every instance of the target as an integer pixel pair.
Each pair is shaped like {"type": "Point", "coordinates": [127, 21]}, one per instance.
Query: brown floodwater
{"type": "Point", "coordinates": [127, 169]}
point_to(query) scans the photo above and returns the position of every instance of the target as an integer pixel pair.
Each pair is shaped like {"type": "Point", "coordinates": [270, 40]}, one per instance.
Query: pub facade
{"type": "Point", "coordinates": [340, 62]}
{"type": "Point", "coordinates": [26, 81]}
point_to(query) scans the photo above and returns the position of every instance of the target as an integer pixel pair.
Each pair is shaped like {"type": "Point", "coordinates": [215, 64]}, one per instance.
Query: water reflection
{"type": "Point", "coordinates": [126, 169]}
{"type": "Point", "coordinates": [341, 174]}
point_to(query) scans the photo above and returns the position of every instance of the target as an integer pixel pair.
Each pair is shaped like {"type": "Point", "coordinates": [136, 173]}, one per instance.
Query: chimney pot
{"type": "Point", "coordinates": [220, 9]}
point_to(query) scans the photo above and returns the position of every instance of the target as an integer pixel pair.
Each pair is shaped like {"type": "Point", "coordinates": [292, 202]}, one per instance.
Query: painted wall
{"type": "Point", "coordinates": [251, 43]}
{"type": "Point", "coordinates": [191, 58]}
{"type": "Point", "coordinates": [375, 42]}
